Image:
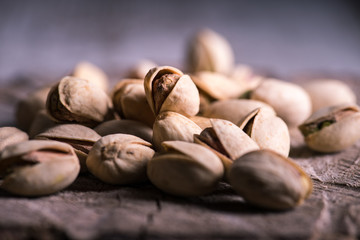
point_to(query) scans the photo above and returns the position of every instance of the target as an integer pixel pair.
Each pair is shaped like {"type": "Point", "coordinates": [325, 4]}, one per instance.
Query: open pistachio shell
{"type": "Point", "coordinates": [319, 90]}
{"type": "Point", "coordinates": [130, 102]}
{"type": "Point", "coordinates": [38, 167]}
{"type": "Point", "coordinates": [80, 101]}
{"type": "Point", "coordinates": [130, 127]}
{"type": "Point", "coordinates": [185, 169]}
{"type": "Point", "coordinates": [233, 110]}
{"type": "Point", "coordinates": [140, 69]}
{"type": "Point", "coordinates": [267, 130]}
{"type": "Point", "coordinates": [168, 89]}
{"type": "Point", "coordinates": [173, 126]}
{"type": "Point", "coordinates": [290, 101]}
{"type": "Point", "coordinates": [120, 159]}
{"type": "Point", "coordinates": [332, 129]}
{"type": "Point", "coordinates": [209, 51]}
{"type": "Point", "coordinates": [11, 135]}
{"type": "Point", "coordinates": [269, 180]}
{"type": "Point", "coordinates": [226, 140]}
{"type": "Point", "coordinates": [217, 86]}
{"type": "Point", "coordinates": [202, 122]}
{"type": "Point", "coordinates": [81, 138]}
{"type": "Point", "coordinates": [94, 74]}
{"type": "Point", "coordinates": [244, 76]}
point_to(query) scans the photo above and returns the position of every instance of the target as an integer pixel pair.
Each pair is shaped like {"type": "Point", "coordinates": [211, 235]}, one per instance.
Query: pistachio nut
{"type": "Point", "coordinates": [140, 69]}
{"type": "Point", "coordinates": [41, 122]}
{"type": "Point", "coordinates": [81, 138]}
{"type": "Point", "coordinates": [173, 126]}
{"type": "Point", "coordinates": [202, 122]}
{"type": "Point", "coordinates": [125, 126]}
{"type": "Point", "coordinates": [332, 129]}
{"type": "Point", "coordinates": [27, 108]}
{"type": "Point", "coordinates": [185, 169]}
{"type": "Point", "coordinates": [209, 51]}
{"type": "Point", "coordinates": [226, 140]}
{"type": "Point", "coordinates": [267, 130]}
{"type": "Point", "coordinates": [130, 102]}
{"type": "Point", "coordinates": [319, 90]}
{"type": "Point", "coordinates": [168, 89]}
{"type": "Point", "coordinates": [93, 73]}
{"type": "Point", "coordinates": [290, 101]}
{"type": "Point", "coordinates": [244, 76]}
{"type": "Point", "coordinates": [120, 159]}
{"type": "Point", "coordinates": [37, 167]}
{"type": "Point", "coordinates": [233, 110]}
{"type": "Point", "coordinates": [11, 135]}
{"type": "Point", "coordinates": [79, 101]}
{"type": "Point", "coordinates": [217, 86]}
{"type": "Point", "coordinates": [269, 180]}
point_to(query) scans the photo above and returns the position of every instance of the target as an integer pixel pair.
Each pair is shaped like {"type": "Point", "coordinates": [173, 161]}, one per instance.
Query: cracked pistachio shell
{"type": "Point", "coordinates": [209, 51]}
{"type": "Point", "coordinates": [38, 167]}
{"type": "Point", "coordinates": [79, 101]}
{"type": "Point", "coordinates": [11, 135]}
{"type": "Point", "coordinates": [42, 122]}
{"type": "Point", "coordinates": [130, 127]}
{"type": "Point", "coordinates": [168, 89]}
{"type": "Point", "coordinates": [269, 180]}
{"type": "Point", "coordinates": [173, 126]}
{"type": "Point", "coordinates": [332, 129]}
{"type": "Point", "coordinates": [290, 101]}
{"type": "Point", "coordinates": [319, 90]}
{"type": "Point", "coordinates": [233, 110]}
{"type": "Point", "coordinates": [226, 140]}
{"type": "Point", "coordinates": [245, 77]}
{"type": "Point", "coordinates": [217, 86]}
{"type": "Point", "coordinates": [120, 159]}
{"type": "Point", "coordinates": [267, 130]}
{"type": "Point", "coordinates": [91, 72]}
{"type": "Point", "coordinates": [185, 169]}
{"type": "Point", "coordinates": [140, 69]}
{"type": "Point", "coordinates": [28, 107]}
{"type": "Point", "coordinates": [130, 102]}
{"type": "Point", "coordinates": [81, 138]}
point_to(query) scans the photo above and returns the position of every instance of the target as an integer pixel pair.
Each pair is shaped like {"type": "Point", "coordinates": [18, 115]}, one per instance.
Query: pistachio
{"type": "Point", "coordinates": [185, 169]}
{"type": "Point", "coordinates": [173, 126]}
{"type": "Point", "coordinates": [267, 130]}
{"type": "Point", "coordinates": [37, 167]}
{"type": "Point", "coordinates": [94, 74]}
{"type": "Point", "coordinates": [119, 159]}
{"type": "Point", "coordinates": [217, 86]}
{"type": "Point", "coordinates": [11, 135]}
{"type": "Point", "coordinates": [209, 51]}
{"type": "Point", "coordinates": [226, 140]}
{"type": "Point", "coordinates": [81, 138]}
{"type": "Point", "coordinates": [79, 101]}
{"type": "Point", "coordinates": [233, 110]}
{"type": "Point", "coordinates": [130, 102]}
{"type": "Point", "coordinates": [27, 108]}
{"type": "Point", "coordinates": [332, 129]}
{"type": "Point", "coordinates": [130, 127]}
{"type": "Point", "coordinates": [290, 101]}
{"type": "Point", "coordinates": [269, 180]}
{"type": "Point", "coordinates": [41, 122]}
{"type": "Point", "coordinates": [167, 89]}
{"type": "Point", "coordinates": [202, 122]}
{"type": "Point", "coordinates": [319, 90]}
{"type": "Point", "coordinates": [244, 76]}
{"type": "Point", "coordinates": [140, 69]}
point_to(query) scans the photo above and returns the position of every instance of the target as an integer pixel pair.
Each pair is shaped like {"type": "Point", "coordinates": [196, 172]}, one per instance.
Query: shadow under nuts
{"type": "Point", "coordinates": [168, 89]}
{"type": "Point", "coordinates": [119, 159]}
{"type": "Point", "coordinates": [185, 169]}
{"type": "Point", "coordinates": [266, 179]}
{"type": "Point", "coordinates": [38, 167]}
{"type": "Point", "coordinates": [332, 129]}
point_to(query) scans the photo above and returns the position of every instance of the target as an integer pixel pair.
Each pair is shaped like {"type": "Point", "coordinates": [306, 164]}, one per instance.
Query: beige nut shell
{"type": "Point", "coordinates": [185, 169]}
{"type": "Point", "coordinates": [11, 135]}
{"type": "Point", "coordinates": [184, 97]}
{"type": "Point", "coordinates": [93, 73]}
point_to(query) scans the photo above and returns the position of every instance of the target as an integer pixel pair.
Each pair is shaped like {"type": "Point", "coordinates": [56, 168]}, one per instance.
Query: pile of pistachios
{"type": "Point", "coordinates": [184, 133]}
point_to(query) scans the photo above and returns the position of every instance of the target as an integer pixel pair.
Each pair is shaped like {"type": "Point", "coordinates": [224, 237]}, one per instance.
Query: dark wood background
{"type": "Point", "coordinates": [40, 41]}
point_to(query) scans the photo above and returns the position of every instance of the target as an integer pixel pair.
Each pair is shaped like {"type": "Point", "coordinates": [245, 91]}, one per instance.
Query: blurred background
{"type": "Point", "coordinates": [46, 39]}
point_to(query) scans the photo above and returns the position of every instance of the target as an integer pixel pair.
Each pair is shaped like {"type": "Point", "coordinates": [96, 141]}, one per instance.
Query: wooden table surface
{"type": "Point", "coordinates": [90, 209]}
